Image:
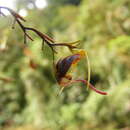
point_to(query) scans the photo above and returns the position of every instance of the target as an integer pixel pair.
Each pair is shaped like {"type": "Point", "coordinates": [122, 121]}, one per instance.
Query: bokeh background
{"type": "Point", "coordinates": [30, 101]}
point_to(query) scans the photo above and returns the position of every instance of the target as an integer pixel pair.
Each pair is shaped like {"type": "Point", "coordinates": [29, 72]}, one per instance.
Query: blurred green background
{"type": "Point", "coordinates": [30, 102]}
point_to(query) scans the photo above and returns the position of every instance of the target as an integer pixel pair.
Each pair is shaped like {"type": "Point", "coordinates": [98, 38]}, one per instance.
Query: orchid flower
{"type": "Point", "coordinates": [64, 79]}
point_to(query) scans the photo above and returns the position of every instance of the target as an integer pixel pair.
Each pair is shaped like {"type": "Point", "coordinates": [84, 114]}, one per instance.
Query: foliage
{"type": "Point", "coordinates": [31, 98]}
{"type": "Point", "coordinates": [63, 2]}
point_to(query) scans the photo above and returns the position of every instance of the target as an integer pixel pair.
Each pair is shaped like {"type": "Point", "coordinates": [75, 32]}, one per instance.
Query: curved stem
{"type": "Point", "coordinates": [90, 86]}
{"type": "Point", "coordinates": [86, 82]}
{"type": "Point", "coordinates": [89, 70]}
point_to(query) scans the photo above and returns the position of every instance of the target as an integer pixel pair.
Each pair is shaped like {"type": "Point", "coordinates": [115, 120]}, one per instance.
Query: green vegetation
{"type": "Point", "coordinates": [30, 100]}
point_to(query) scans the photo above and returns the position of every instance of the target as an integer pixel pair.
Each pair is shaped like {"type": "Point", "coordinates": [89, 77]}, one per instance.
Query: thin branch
{"type": "Point", "coordinates": [45, 38]}
{"type": "Point", "coordinates": [24, 30]}
{"type": "Point", "coordinates": [17, 19]}
{"type": "Point", "coordinates": [91, 86]}
{"type": "Point", "coordinates": [40, 34]}
{"type": "Point", "coordinates": [16, 15]}
{"type": "Point", "coordinates": [85, 82]}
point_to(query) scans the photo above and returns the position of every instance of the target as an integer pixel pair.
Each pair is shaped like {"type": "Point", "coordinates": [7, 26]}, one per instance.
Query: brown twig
{"type": "Point", "coordinates": [17, 19]}
{"type": "Point", "coordinates": [45, 38]}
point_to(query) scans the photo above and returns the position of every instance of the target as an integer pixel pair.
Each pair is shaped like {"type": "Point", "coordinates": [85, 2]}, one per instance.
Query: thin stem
{"type": "Point", "coordinates": [86, 82]}
{"type": "Point", "coordinates": [89, 70]}
{"type": "Point", "coordinates": [49, 41]}
{"type": "Point", "coordinates": [90, 85]}
{"type": "Point", "coordinates": [24, 29]}
{"type": "Point", "coordinates": [61, 90]}
{"type": "Point", "coordinates": [40, 34]}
